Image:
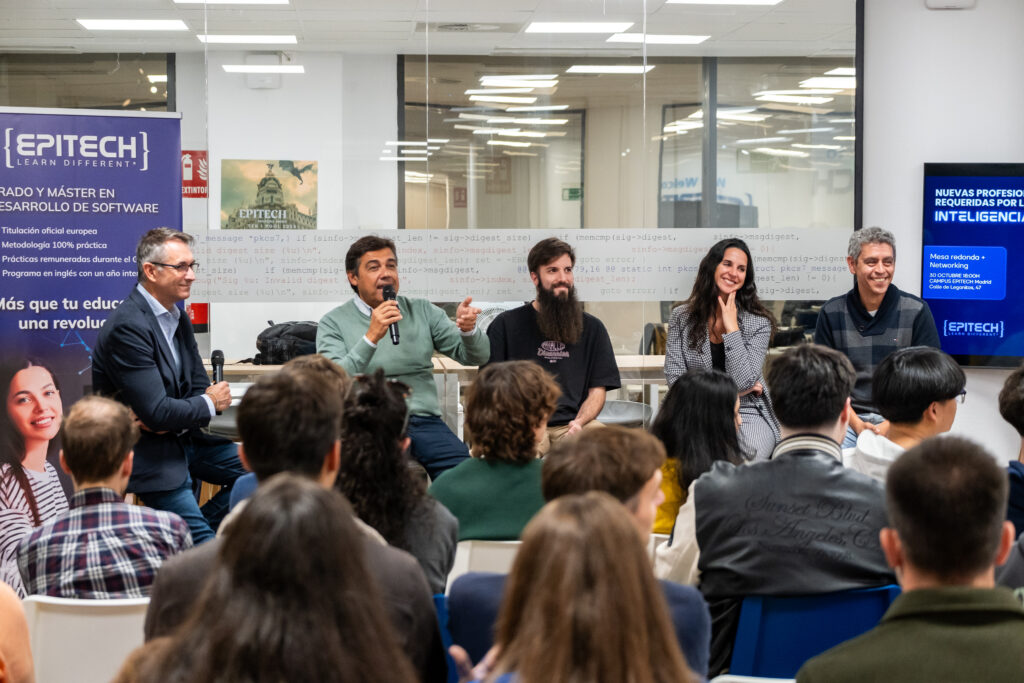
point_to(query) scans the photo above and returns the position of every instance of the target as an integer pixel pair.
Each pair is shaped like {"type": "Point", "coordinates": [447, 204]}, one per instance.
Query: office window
{"type": "Point", "coordinates": [85, 81]}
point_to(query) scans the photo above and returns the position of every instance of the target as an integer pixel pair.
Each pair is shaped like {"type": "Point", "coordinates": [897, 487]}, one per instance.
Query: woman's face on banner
{"type": "Point", "coordinates": [34, 405]}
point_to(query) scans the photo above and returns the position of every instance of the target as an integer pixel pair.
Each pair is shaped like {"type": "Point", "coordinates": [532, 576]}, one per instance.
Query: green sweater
{"type": "Point", "coordinates": [929, 635]}
{"type": "Point", "coordinates": [424, 328]}
{"type": "Point", "coordinates": [492, 499]}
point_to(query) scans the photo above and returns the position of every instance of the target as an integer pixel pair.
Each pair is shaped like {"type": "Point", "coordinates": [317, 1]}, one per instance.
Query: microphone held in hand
{"type": "Point", "coordinates": [217, 361]}
{"type": "Point", "coordinates": [389, 295]}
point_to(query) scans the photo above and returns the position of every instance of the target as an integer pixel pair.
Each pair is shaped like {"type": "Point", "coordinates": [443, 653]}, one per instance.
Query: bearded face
{"type": "Point", "coordinates": [560, 314]}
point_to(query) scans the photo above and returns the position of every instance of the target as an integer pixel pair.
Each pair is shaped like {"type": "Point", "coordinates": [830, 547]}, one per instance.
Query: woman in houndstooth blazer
{"type": "Point", "coordinates": [724, 326]}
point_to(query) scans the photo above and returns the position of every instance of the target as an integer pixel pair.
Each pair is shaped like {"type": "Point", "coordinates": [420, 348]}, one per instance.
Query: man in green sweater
{"type": "Point", "coordinates": [946, 500]}
{"type": "Point", "coordinates": [356, 336]}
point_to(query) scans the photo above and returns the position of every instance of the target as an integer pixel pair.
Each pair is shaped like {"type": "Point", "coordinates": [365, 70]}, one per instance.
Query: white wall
{"type": "Point", "coordinates": [338, 113]}
{"type": "Point", "coordinates": [940, 86]}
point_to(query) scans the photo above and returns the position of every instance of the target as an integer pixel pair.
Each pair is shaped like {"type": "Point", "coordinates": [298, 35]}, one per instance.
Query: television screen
{"type": "Point", "coordinates": [973, 228]}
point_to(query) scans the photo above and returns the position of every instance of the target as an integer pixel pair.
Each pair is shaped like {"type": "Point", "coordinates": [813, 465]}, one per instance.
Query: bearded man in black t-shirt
{"type": "Point", "coordinates": [554, 332]}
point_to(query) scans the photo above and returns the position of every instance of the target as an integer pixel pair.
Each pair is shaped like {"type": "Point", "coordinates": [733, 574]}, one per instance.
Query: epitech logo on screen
{"type": "Point", "coordinates": [67, 149]}
{"type": "Point", "coordinates": [961, 328]}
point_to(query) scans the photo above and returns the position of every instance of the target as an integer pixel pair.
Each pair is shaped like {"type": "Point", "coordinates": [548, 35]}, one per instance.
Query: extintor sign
{"type": "Point", "coordinates": [195, 174]}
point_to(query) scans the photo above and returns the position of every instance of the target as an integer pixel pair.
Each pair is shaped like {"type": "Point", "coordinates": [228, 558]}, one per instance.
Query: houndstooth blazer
{"type": "Point", "coordinates": [745, 351]}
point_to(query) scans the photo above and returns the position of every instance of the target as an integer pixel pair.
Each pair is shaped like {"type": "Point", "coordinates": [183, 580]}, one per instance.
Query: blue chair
{"type": "Point", "coordinates": [777, 634]}
{"type": "Point", "coordinates": [441, 607]}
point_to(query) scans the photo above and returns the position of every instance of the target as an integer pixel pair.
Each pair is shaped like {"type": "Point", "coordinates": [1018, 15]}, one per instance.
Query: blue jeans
{"type": "Point", "coordinates": [434, 445]}
{"type": "Point", "coordinates": [216, 463]}
{"type": "Point", "coordinates": [851, 436]}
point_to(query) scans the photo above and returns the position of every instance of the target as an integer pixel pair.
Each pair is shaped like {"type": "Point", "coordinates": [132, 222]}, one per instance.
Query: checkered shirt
{"type": "Point", "coordinates": [100, 548]}
{"type": "Point", "coordinates": [845, 325]}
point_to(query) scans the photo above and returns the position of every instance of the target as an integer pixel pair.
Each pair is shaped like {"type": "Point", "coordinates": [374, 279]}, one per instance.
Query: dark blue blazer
{"type": "Point", "coordinates": [474, 600]}
{"type": "Point", "coordinates": [133, 364]}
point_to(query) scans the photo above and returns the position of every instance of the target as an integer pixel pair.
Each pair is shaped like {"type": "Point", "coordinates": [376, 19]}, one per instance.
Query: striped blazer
{"type": "Point", "coordinates": [745, 351]}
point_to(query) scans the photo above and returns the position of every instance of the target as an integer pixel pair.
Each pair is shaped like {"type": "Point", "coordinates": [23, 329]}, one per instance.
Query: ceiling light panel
{"type": "Point", "coordinates": [133, 24]}
{"type": "Point", "coordinates": [578, 27]}
{"type": "Point", "coordinates": [657, 39]}
{"type": "Point", "coordinates": [247, 39]}
{"type": "Point", "coordinates": [609, 68]}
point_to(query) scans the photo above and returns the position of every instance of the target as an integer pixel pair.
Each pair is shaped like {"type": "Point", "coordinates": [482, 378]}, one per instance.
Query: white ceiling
{"type": "Point", "coordinates": [809, 28]}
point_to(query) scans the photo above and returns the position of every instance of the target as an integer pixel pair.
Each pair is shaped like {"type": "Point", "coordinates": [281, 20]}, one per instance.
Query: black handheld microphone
{"type": "Point", "coordinates": [217, 361]}
{"type": "Point", "coordinates": [389, 295]}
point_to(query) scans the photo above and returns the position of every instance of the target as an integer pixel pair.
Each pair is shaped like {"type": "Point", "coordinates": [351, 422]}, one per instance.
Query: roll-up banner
{"type": "Point", "coordinates": [77, 190]}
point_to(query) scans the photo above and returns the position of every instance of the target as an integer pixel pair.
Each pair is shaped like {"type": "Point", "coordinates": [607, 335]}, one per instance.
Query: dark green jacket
{"type": "Point", "coordinates": [933, 635]}
{"type": "Point", "coordinates": [492, 499]}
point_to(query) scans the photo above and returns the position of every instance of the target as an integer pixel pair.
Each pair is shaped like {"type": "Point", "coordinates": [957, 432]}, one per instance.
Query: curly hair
{"type": "Point", "coordinates": [703, 301]}
{"type": "Point", "coordinates": [504, 407]}
{"type": "Point", "coordinates": [375, 474]}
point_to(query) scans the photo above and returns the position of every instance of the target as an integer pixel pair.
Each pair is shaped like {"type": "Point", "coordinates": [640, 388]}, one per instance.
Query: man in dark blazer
{"type": "Point", "coordinates": [146, 357]}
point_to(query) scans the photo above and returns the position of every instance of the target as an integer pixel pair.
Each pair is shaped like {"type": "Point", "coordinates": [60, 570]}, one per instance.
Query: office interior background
{"type": "Point", "coordinates": [824, 110]}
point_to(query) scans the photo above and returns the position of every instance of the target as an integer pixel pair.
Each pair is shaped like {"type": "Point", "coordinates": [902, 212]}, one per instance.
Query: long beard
{"type": "Point", "coordinates": [560, 319]}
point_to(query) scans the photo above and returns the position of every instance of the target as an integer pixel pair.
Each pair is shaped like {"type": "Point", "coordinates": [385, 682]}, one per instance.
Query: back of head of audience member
{"type": "Point", "coordinates": [581, 603]}
{"type": "Point", "coordinates": [507, 410]}
{"type": "Point", "coordinates": [811, 387]}
{"type": "Point", "coordinates": [946, 500]}
{"type": "Point", "coordinates": [698, 423]}
{"type": "Point", "coordinates": [294, 600]}
{"type": "Point", "coordinates": [623, 462]}
{"type": "Point", "coordinates": [291, 421]}
{"type": "Point", "coordinates": [918, 385]}
{"type": "Point", "coordinates": [1011, 400]}
{"type": "Point", "coordinates": [375, 471]}
{"type": "Point", "coordinates": [97, 441]}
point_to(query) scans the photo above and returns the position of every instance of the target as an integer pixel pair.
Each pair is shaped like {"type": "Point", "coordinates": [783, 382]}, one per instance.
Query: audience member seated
{"type": "Point", "coordinates": [799, 523]}
{"type": "Point", "coordinates": [291, 422]}
{"type": "Point", "coordinates": [15, 652]}
{"type": "Point", "coordinates": [497, 491]}
{"type": "Point", "coordinates": [320, 365]}
{"type": "Point", "coordinates": [384, 490]}
{"type": "Point", "coordinates": [698, 423]}
{"type": "Point", "coordinates": [582, 604]}
{"type": "Point", "coordinates": [946, 500]}
{"type": "Point", "coordinates": [916, 390]}
{"type": "Point", "coordinates": [102, 547]}
{"type": "Point", "coordinates": [626, 464]}
{"type": "Point", "coordinates": [290, 598]}
{"type": "Point", "coordinates": [1011, 407]}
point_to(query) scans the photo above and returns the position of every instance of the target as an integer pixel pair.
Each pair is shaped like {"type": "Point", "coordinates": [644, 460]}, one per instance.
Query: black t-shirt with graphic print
{"type": "Point", "coordinates": [577, 368]}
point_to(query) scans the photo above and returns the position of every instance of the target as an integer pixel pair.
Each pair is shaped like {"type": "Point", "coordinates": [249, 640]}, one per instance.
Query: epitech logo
{"type": "Point", "coordinates": [961, 328]}
{"type": "Point", "coordinates": [68, 149]}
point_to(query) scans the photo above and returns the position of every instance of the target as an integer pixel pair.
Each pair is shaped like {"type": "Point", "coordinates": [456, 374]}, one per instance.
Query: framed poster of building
{"type": "Point", "coordinates": [268, 195]}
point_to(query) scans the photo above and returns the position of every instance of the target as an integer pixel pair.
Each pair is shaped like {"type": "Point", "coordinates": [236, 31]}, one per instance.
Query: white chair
{"type": "Point", "coordinates": [654, 542]}
{"type": "Point", "coordinates": [82, 640]}
{"type": "Point", "coordinates": [483, 556]}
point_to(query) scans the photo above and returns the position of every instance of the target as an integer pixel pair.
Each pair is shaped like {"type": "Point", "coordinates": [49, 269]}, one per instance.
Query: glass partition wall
{"type": "Point", "coordinates": [468, 131]}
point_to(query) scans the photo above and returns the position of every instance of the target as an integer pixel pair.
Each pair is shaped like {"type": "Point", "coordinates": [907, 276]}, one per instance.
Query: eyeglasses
{"type": "Point", "coordinates": [181, 268]}
{"type": "Point", "coordinates": [962, 396]}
